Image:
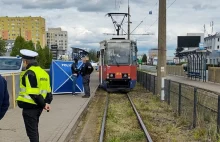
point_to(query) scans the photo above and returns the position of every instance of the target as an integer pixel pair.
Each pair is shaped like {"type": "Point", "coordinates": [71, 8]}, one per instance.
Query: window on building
{"type": "Point", "coordinates": [213, 61]}
{"type": "Point", "coordinates": [218, 39]}
{"type": "Point", "coordinates": [218, 47]}
{"type": "Point", "coordinates": [210, 61]}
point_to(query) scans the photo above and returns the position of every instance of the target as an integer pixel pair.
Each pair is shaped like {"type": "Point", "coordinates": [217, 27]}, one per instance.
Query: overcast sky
{"type": "Point", "coordinates": [86, 22]}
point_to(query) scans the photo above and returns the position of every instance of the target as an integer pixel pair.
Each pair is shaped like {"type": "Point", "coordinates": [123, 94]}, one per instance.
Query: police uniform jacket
{"type": "Point", "coordinates": [38, 99]}
{"type": "Point", "coordinates": [86, 69]}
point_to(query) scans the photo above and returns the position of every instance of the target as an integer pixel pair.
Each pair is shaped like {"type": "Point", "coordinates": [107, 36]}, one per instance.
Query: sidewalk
{"type": "Point", "coordinates": [54, 125]}
{"type": "Point", "coordinates": [206, 85]}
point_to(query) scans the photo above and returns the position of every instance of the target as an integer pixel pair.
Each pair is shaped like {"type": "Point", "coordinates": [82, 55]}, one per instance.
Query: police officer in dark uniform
{"type": "Point", "coordinates": [85, 71]}
{"type": "Point", "coordinates": [75, 74]}
{"type": "Point", "coordinates": [35, 93]}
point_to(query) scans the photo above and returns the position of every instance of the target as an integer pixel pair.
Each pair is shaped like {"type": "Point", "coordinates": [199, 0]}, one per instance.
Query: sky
{"type": "Point", "coordinates": [86, 20]}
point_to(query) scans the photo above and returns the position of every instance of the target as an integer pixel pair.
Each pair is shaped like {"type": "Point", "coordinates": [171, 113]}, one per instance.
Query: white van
{"type": "Point", "coordinates": [10, 64]}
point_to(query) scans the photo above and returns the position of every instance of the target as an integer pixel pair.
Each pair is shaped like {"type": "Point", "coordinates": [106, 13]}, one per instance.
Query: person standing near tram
{"type": "Point", "coordinates": [85, 71]}
{"type": "Point", "coordinates": [35, 93]}
{"type": "Point", "coordinates": [75, 74]}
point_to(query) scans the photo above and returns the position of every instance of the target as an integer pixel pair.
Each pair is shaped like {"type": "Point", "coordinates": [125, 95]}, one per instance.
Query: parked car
{"type": "Point", "coordinates": [10, 64]}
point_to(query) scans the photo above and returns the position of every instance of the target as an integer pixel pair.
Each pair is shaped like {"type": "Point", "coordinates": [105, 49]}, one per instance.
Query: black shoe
{"type": "Point", "coordinates": [85, 96]}
{"type": "Point", "coordinates": [74, 94]}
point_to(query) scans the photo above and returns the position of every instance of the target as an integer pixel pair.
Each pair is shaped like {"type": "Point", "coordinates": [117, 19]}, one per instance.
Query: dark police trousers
{"type": "Point", "coordinates": [86, 81]}
{"type": "Point", "coordinates": [31, 120]}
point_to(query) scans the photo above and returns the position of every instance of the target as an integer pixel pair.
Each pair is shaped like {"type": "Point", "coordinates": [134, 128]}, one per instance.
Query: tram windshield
{"type": "Point", "coordinates": [118, 54]}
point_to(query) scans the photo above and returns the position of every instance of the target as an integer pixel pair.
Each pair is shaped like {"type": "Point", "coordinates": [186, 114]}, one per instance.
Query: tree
{"type": "Point", "coordinates": [144, 58]}
{"type": "Point", "coordinates": [18, 45]}
{"type": "Point", "coordinates": [41, 57]}
{"type": "Point", "coordinates": [92, 55]}
{"type": "Point", "coordinates": [2, 47]}
{"type": "Point", "coordinates": [45, 57]}
{"type": "Point", "coordinates": [48, 56]}
{"type": "Point", "coordinates": [29, 45]}
{"type": "Point", "coordinates": [38, 46]}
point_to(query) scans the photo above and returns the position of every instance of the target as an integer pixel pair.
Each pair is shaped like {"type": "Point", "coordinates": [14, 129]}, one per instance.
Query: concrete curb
{"type": "Point", "coordinates": [67, 134]}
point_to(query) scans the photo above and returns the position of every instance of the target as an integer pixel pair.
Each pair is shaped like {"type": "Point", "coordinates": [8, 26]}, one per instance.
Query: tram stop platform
{"type": "Point", "coordinates": [54, 126]}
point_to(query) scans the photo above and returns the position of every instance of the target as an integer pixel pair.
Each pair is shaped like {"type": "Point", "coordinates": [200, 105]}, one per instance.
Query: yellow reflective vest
{"type": "Point", "coordinates": [43, 85]}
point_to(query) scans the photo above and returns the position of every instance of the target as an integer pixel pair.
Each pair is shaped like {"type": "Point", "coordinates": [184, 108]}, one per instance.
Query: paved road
{"type": "Point", "coordinates": [55, 125]}
{"type": "Point", "coordinates": [205, 85]}
{"type": "Point", "coordinates": [148, 68]}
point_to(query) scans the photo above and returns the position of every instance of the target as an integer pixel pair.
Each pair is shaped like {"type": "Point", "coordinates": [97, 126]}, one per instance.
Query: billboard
{"type": "Point", "coordinates": [188, 41]}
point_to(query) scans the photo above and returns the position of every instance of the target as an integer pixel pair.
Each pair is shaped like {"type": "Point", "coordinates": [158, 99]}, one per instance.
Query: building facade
{"type": "Point", "coordinates": [212, 43]}
{"type": "Point", "coordinates": [30, 28]}
{"type": "Point", "coordinates": [55, 36]}
{"type": "Point", "coordinates": [153, 52]}
{"type": "Point", "coordinates": [152, 56]}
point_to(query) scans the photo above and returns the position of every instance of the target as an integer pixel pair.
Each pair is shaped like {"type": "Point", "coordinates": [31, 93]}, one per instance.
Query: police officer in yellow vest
{"type": "Point", "coordinates": [35, 93]}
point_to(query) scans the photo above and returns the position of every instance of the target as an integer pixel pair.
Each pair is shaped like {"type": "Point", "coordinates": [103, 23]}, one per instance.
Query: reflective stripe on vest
{"type": "Point", "coordinates": [23, 90]}
{"type": "Point", "coordinates": [43, 86]}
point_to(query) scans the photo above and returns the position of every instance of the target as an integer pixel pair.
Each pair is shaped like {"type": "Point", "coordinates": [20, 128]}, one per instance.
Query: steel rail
{"type": "Point", "coordinates": [103, 121]}
{"type": "Point", "coordinates": [140, 120]}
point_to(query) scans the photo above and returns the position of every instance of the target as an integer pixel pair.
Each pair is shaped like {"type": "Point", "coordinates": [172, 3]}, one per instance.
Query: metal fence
{"type": "Point", "coordinates": [13, 87]}
{"type": "Point", "coordinates": [13, 81]}
{"type": "Point", "coordinates": [199, 107]}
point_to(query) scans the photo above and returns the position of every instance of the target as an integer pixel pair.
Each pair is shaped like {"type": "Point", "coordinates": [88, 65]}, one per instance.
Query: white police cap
{"type": "Point", "coordinates": [28, 54]}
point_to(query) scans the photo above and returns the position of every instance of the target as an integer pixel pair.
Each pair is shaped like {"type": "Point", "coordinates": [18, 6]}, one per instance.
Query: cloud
{"type": "Point", "coordinates": [42, 4]}
{"type": "Point", "coordinates": [203, 7]}
{"type": "Point", "coordinates": [82, 6]}
{"type": "Point", "coordinates": [86, 22]}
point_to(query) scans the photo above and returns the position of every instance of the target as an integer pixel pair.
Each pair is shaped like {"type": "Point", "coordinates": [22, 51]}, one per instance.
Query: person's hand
{"type": "Point", "coordinates": [47, 107]}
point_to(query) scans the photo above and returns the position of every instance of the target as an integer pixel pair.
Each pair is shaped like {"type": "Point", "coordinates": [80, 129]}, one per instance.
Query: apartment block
{"type": "Point", "coordinates": [31, 28]}
{"type": "Point", "coordinates": [55, 36]}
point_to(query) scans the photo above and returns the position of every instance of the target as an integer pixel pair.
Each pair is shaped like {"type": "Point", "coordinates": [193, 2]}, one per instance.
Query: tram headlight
{"type": "Point", "coordinates": [111, 75]}
{"type": "Point", "coordinates": [124, 75]}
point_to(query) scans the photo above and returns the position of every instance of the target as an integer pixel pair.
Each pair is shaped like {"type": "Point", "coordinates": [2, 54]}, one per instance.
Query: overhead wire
{"type": "Point", "coordinates": [145, 17]}
{"type": "Point", "coordinates": [157, 19]}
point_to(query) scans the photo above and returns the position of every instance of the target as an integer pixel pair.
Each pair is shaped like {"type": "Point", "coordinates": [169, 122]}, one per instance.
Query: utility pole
{"type": "Point", "coordinates": [128, 21]}
{"type": "Point", "coordinates": [161, 68]}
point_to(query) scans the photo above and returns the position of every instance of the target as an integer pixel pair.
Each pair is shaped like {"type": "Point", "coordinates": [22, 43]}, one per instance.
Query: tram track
{"type": "Point", "coordinates": [140, 121]}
